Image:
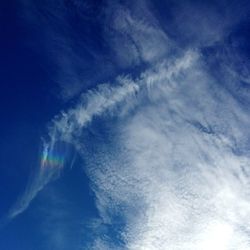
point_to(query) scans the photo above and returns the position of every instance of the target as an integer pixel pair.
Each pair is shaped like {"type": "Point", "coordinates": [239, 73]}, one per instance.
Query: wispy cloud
{"type": "Point", "coordinates": [68, 126]}
{"type": "Point", "coordinates": [179, 176]}
{"type": "Point", "coordinates": [51, 163]}
{"type": "Point", "coordinates": [178, 172]}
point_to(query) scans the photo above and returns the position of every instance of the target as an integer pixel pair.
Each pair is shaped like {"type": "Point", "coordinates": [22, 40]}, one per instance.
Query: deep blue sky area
{"type": "Point", "coordinates": [28, 101]}
{"type": "Point", "coordinates": [112, 115]}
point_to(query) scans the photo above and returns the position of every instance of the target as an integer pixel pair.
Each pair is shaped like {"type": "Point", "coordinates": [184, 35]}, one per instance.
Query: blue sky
{"type": "Point", "coordinates": [124, 125]}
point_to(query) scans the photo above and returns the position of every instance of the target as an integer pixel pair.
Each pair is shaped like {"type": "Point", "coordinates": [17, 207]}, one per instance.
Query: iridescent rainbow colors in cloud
{"type": "Point", "coordinates": [51, 158]}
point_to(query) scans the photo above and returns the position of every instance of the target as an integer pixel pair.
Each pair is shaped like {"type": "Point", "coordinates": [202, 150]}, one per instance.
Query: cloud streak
{"type": "Point", "coordinates": [68, 126]}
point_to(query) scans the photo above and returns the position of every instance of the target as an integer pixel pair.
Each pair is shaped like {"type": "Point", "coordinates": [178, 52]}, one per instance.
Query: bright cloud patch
{"type": "Point", "coordinates": [178, 181]}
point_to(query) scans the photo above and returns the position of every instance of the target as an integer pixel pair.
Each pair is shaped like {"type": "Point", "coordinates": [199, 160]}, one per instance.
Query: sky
{"type": "Point", "coordinates": [124, 125]}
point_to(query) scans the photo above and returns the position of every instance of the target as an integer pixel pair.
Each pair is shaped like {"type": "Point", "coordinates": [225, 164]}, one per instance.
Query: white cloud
{"type": "Point", "coordinates": [107, 97]}
{"type": "Point", "coordinates": [176, 182]}
{"type": "Point", "coordinates": [174, 175]}
{"type": "Point", "coordinates": [175, 178]}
